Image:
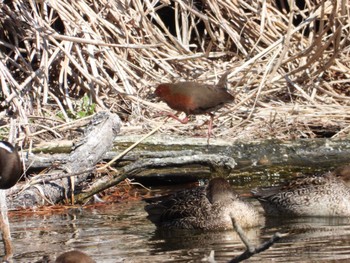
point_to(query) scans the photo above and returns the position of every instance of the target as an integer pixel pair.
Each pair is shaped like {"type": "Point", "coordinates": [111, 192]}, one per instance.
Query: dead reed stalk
{"type": "Point", "coordinates": [290, 62]}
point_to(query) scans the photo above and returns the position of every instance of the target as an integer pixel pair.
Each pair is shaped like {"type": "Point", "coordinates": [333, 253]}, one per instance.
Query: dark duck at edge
{"type": "Point", "coordinates": [10, 165]}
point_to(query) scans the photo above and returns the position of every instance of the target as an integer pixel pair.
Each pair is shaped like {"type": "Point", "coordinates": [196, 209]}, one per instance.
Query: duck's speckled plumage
{"type": "Point", "coordinates": [207, 207]}
{"type": "Point", "coordinates": [324, 195]}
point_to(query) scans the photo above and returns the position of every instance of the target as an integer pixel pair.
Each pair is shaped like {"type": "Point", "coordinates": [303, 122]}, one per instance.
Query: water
{"type": "Point", "coordinates": [120, 232]}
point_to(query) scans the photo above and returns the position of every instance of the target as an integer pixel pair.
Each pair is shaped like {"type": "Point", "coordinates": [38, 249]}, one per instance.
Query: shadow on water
{"type": "Point", "coordinates": [120, 232]}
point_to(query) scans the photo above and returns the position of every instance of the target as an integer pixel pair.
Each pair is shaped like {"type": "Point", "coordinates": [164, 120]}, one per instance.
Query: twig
{"type": "Point", "coordinates": [132, 146]}
{"type": "Point", "coordinates": [251, 249]}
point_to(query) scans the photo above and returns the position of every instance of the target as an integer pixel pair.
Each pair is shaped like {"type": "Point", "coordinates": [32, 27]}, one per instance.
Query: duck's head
{"type": "Point", "coordinates": [343, 172]}
{"type": "Point", "coordinates": [219, 190]}
{"type": "Point", "coordinates": [10, 165]}
{"type": "Point", "coordinates": [74, 256]}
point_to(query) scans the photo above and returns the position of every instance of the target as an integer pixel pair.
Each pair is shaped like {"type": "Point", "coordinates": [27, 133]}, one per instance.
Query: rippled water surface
{"type": "Point", "coordinates": [121, 233]}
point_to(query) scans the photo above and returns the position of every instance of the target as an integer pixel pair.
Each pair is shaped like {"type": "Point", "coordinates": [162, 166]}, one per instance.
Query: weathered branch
{"type": "Point", "coordinates": [217, 163]}
{"type": "Point", "coordinates": [98, 139]}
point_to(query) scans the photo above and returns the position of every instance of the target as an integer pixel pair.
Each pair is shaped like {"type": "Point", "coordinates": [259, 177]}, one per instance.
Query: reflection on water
{"type": "Point", "coordinates": [311, 239]}
{"type": "Point", "coordinates": [120, 233]}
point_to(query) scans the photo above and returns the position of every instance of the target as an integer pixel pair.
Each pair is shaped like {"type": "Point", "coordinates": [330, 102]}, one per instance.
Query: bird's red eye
{"type": "Point", "coordinates": [160, 89]}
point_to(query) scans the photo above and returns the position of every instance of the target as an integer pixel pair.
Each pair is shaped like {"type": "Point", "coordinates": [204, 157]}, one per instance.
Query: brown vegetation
{"type": "Point", "coordinates": [61, 60]}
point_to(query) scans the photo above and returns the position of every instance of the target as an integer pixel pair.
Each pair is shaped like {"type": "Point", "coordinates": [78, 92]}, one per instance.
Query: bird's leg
{"type": "Point", "coordinates": [210, 126]}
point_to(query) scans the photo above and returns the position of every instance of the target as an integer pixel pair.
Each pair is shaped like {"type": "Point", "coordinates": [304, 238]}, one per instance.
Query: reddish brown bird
{"type": "Point", "coordinates": [195, 98]}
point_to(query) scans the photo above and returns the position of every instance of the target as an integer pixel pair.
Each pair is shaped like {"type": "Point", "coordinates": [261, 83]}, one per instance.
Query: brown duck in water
{"type": "Point", "coordinates": [208, 207]}
{"type": "Point", "coordinates": [195, 98]}
{"type": "Point", "coordinates": [324, 195]}
{"type": "Point", "coordinates": [10, 165]}
{"type": "Point", "coordinates": [74, 256]}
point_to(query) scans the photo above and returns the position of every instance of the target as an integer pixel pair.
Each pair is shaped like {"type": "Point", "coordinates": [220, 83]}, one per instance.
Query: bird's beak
{"type": "Point", "coordinates": [152, 97]}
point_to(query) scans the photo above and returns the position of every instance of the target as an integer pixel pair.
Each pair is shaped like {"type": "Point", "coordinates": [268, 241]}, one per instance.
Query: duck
{"type": "Point", "coordinates": [10, 165]}
{"type": "Point", "coordinates": [209, 207]}
{"type": "Point", "coordinates": [74, 256]}
{"type": "Point", "coordinates": [325, 195]}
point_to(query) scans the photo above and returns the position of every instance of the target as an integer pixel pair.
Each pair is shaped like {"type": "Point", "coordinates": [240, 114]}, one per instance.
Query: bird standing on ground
{"type": "Point", "coordinates": [10, 165]}
{"type": "Point", "coordinates": [195, 98]}
{"type": "Point", "coordinates": [208, 207]}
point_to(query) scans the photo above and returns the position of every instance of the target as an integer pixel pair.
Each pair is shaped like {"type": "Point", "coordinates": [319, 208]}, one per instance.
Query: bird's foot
{"type": "Point", "coordinates": [171, 115]}
{"type": "Point", "coordinates": [183, 121]}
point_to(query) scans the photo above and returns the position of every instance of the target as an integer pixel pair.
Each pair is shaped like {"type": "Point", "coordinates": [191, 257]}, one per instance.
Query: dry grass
{"type": "Point", "coordinates": [291, 78]}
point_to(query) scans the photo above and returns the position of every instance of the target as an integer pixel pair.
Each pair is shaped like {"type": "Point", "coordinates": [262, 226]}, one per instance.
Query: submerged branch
{"type": "Point", "coordinates": [251, 249]}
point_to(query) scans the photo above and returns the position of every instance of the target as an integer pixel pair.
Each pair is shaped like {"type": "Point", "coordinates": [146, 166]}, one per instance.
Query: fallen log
{"type": "Point", "coordinates": [307, 152]}
{"type": "Point", "coordinates": [88, 151]}
{"type": "Point", "coordinates": [187, 159]}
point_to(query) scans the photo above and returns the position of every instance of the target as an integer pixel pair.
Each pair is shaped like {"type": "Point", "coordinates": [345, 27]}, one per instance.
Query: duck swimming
{"type": "Point", "coordinates": [322, 195]}
{"type": "Point", "coordinates": [74, 256]}
{"type": "Point", "coordinates": [209, 207]}
{"type": "Point", "coordinates": [10, 165]}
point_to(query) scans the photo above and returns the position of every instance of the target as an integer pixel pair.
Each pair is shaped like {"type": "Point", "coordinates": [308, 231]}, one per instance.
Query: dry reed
{"type": "Point", "coordinates": [290, 63]}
